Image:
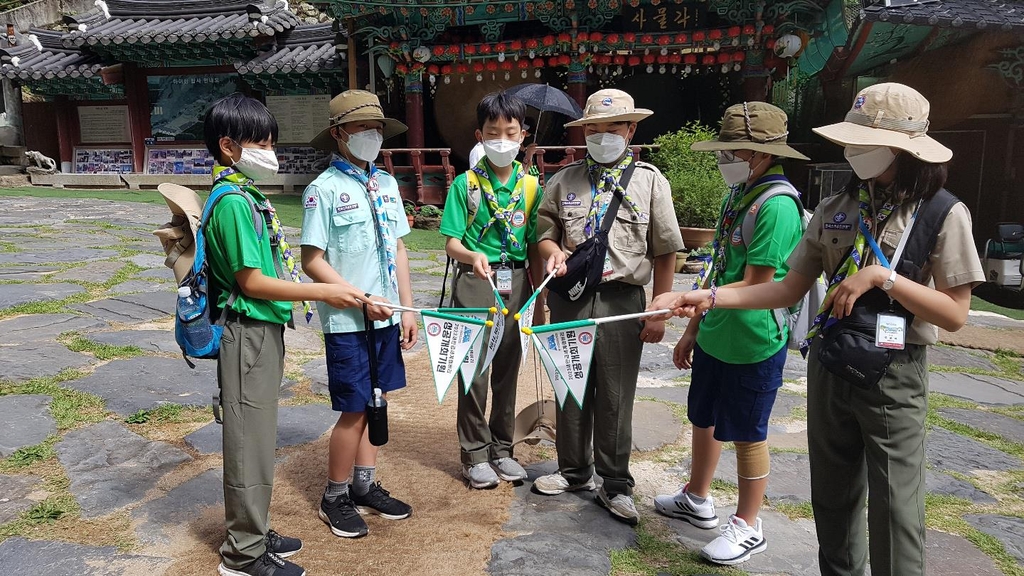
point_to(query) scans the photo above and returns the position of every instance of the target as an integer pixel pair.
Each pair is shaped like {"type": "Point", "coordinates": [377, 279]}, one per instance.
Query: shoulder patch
{"type": "Point", "coordinates": [310, 200]}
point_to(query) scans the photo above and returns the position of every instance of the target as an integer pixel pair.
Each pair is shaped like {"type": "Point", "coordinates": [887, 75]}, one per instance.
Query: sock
{"type": "Point", "coordinates": [363, 479]}
{"type": "Point", "coordinates": [335, 490]}
{"type": "Point", "coordinates": [697, 499]}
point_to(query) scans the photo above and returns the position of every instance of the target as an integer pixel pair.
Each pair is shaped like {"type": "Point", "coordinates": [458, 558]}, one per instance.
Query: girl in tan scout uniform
{"type": "Point", "coordinates": [642, 240]}
{"type": "Point", "coordinates": [865, 418]}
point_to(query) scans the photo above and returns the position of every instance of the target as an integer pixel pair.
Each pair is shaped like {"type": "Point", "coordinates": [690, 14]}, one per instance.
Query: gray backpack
{"type": "Point", "coordinates": [799, 318]}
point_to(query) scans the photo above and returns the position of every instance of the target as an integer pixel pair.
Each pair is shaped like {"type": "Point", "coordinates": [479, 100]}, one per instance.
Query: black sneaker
{"type": "Point", "coordinates": [379, 501]}
{"type": "Point", "coordinates": [269, 564]}
{"type": "Point", "coordinates": [342, 517]}
{"type": "Point", "coordinates": [283, 546]}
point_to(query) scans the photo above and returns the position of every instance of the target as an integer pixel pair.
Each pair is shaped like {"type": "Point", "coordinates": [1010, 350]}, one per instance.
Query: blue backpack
{"type": "Point", "coordinates": [194, 332]}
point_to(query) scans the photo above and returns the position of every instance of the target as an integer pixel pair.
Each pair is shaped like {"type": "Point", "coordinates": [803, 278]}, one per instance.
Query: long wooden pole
{"type": "Point", "coordinates": [353, 76]}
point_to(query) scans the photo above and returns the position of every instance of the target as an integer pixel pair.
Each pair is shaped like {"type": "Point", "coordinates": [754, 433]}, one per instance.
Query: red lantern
{"type": "Point", "coordinates": [394, 45]}
{"type": "Point", "coordinates": [462, 68]}
{"type": "Point", "coordinates": [549, 40]}
{"type": "Point", "coordinates": [470, 49]}
{"type": "Point", "coordinates": [582, 38]}
{"type": "Point", "coordinates": [629, 37]}
{"type": "Point", "coordinates": [734, 31]}
{"type": "Point", "coordinates": [646, 39]}
{"type": "Point", "coordinates": [553, 61]}
{"type": "Point", "coordinates": [675, 58]}
{"type": "Point", "coordinates": [524, 64]}
{"type": "Point", "coordinates": [500, 48]}
{"type": "Point", "coordinates": [401, 69]}
{"type": "Point", "coordinates": [664, 40]}
{"type": "Point", "coordinates": [648, 58]}
{"type": "Point", "coordinates": [516, 45]}
{"type": "Point", "coordinates": [564, 60]}
{"type": "Point", "coordinates": [438, 51]}
{"type": "Point", "coordinates": [749, 30]}
{"type": "Point", "coordinates": [538, 62]}
{"type": "Point", "coordinates": [681, 39]}
{"type": "Point", "coordinates": [770, 44]}
{"type": "Point", "coordinates": [596, 36]}
{"type": "Point", "coordinates": [662, 59]}
{"type": "Point", "coordinates": [708, 59]}
{"type": "Point", "coordinates": [532, 43]}
{"type": "Point", "coordinates": [613, 38]}
{"type": "Point", "coordinates": [724, 58]}
{"type": "Point", "coordinates": [506, 65]}
{"type": "Point", "coordinates": [433, 70]}
{"type": "Point", "coordinates": [634, 60]}
{"type": "Point", "coordinates": [564, 38]}
{"type": "Point", "coordinates": [698, 36]}
{"type": "Point", "coordinates": [619, 60]}
{"type": "Point", "coordinates": [453, 50]}
{"type": "Point", "coordinates": [768, 29]}
{"type": "Point", "coordinates": [478, 67]}
{"type": "Point", "coordinates": [492, 66]}
{"type": "Point", "coordinates": [485, 48]}
{"type": "Point", "coordinates": [690, 59]}
{"type": "Point", "coordinates": [715, 34]}
{"type": "Point", "coordinates": [446, 69]}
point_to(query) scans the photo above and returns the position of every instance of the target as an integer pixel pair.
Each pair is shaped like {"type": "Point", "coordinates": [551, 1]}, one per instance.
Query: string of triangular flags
{"type": "Point", "coordinates": [455, 343]}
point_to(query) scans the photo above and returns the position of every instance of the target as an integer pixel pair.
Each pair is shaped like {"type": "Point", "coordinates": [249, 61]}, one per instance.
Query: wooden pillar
{"type": "Point", "coordinates": [67, 132]}
{"type": "Point", "coordinates": [414, 110]}
{"type": "Point", "coordinates": [136, 91]}
{"type": "Point", "coordinates": [12, 106]}
{"type": "Point", "coordinates": [353, 75]}
{"type": "Point", "coordinates": [577, 89]}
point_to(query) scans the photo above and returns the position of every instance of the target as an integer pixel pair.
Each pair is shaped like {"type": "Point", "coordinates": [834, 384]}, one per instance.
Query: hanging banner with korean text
{"type": "Point", "coordinates": [557, 383]}
{"type": "Point", "coordinates": [525, 323]}
{"type": "Point", "coordinates": [494, 339]}
{"type": "Point", "coordinates": [469, 365]}
{"type": "Point", "coordinates": [569, 350]}
{"type": "Point", "coordinates": [449, 340]}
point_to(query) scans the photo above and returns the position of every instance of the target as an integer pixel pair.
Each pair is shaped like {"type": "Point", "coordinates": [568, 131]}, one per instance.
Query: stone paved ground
{"type": "Point", "coordinates": [110, 454]}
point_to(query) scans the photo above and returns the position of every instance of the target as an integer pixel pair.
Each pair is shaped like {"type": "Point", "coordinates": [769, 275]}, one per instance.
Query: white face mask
{"type": "Point", "coordinates": [502, 152]}
{"type": "Point", "coordinates": [869, 161]}
{"type": "Point", "coordinates": [365, 145]}
{"type": "Point", "coordinates": [257, 163]}
{"type": "Point", "coordinates": [606, 147]}
{"type": "Point", "coordinates": [735, 172]}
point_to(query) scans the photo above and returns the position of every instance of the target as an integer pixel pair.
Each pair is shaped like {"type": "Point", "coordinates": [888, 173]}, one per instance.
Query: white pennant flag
{"type": "Point", "coordinates": [569, 350]}
{"type": "Point", "coordinates": [449, 340]}
{"type": "Point", "coordinates": [468, 369]}
{"type": "Point", "coordinates": [494, 340]}
{"type": "Point", "coordinates": [557, 383]}
{"type": "Point", "coordinates": [525, 323]}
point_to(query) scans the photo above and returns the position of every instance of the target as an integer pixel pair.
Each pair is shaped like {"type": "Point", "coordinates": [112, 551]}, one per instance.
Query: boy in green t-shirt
{"type": "Point", "coordinates": [240, 133]}
{"type": "Point", "coordinates": [500, 241]}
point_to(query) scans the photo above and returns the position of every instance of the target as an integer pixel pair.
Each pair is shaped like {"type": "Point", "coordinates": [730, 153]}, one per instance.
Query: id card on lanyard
{"type": "Point", "coordinates": [503, 273]}
{"type": "Point", "coordinates": [890, 328]}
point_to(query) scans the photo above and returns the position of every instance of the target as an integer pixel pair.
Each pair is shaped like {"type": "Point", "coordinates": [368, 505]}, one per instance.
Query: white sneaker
{"type": "Point", "coordinates": [737, 542]}
{"type": "Point", "coordinates": [681, 505]}
{"type": "Point", "coordinates": [553, 484]}
{"type": "Point", "coordinates": [621, 506]}
{"type": "Point", "coordinates": [480, 475]}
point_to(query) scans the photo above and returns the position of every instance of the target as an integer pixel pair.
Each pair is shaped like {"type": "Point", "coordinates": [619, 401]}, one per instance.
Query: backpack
{"type": "Point", "coordinates": [798, 318]}
{"type": "Point", "coordinates": [194, 332]}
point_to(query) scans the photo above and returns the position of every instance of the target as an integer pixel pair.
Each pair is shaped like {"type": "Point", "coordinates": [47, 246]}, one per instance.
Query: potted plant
{"type": "Point", "coordinates": [410, 212]}
{"type": "Point", "coordinates": [697, 185]}
{"type": "Point", "coordinates": [429, 217]}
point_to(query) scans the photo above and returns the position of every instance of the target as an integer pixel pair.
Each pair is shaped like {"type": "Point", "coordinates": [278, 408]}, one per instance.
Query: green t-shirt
{"type": "Point", "coordinates": [749, 336]}
{"type": "Point", "coordinates": [231, 245]}
{"type": "Point", "coordinates": [453, 221]}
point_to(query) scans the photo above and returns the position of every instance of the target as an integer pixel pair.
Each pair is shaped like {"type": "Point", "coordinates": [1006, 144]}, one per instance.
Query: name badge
{"type": "Point", "coordinates": [503, 277]}
{"type": "Point", "coordinates": [607, 266]}
{"type": "Point", "coordinates": [891, 332]}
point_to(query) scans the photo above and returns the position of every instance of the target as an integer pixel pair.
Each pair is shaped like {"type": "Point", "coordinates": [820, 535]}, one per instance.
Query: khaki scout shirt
{"type": "Point", "coordinates": [633, 242]}
{"type": "Point", "coordinates": [953, 262]}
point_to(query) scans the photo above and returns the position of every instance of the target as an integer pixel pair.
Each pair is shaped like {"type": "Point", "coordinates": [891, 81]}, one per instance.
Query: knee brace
{"type": "Point", "coordinates": [752, 460]}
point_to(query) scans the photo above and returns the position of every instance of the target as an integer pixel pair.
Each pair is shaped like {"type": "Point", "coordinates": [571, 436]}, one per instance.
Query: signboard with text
{"type": "Point", "coordinates": [300, 118]}
{"type": "Point", "coordinates": [103, 124]}
{"type": "Point", "coordinates": [663, 18]}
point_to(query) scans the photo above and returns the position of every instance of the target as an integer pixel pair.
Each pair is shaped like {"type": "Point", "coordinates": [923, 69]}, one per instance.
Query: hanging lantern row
{"type": "Point", "coordinates": [585, 42]}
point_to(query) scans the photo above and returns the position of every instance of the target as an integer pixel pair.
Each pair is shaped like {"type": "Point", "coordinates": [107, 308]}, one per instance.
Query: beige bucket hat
{"type": "Point", "coordinates": [756, 126]}
{"type": "Point", "coordinates": [178, 236]}
{"type": "Point", "coordinates": [889, 114]}
{"type": "Point", "coordinates": [610, 105]}
{"type": "Point", "coordinates": [536, 422]}
{"type": "Point", "coordinates": [354, 106]}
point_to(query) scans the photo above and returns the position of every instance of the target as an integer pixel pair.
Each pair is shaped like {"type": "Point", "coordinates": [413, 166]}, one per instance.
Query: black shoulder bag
{"type": "Point", "coordinates": [585, 265]}
{"type": "Point", "coordinates": [848, 347]}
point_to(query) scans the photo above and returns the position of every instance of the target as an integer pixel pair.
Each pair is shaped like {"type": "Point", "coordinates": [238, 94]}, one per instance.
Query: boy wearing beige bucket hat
{"type": "Point", "coordinates": [737, 356]}
{"type": "Point", "coordinates": [867, 382]}
{"type": "Point", "coordinates": [352, 230]}
{"type": "Point", "coordinates": [642, 241]}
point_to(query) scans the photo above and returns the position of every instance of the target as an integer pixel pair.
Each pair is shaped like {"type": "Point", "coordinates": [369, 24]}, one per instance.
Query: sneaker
{"type": "Point", "coordinates": [509, 470]}
{"type": "Point", "coordinates": [342, 517]}
{"type": "Point", "coordinates": [737, 542]}
{"type": "Point", "coordinates": [681, 505]}
{"type": "Point", "coordinates": [269, 564]}
{"type": "Point", "coordinates": [553, 484]}
{"type": "Point", "coordinates": [480, 475]}
{"type": "Point", "coordinates": [379, 501]}
{"type": "Point", "coordinates": [283, 546]}
{"type": "Point", "coordinates": [621, 506]}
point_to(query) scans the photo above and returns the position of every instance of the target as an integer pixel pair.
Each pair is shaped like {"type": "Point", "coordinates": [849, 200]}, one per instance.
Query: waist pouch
{"type": "Point", "coordinates": [848, 347]}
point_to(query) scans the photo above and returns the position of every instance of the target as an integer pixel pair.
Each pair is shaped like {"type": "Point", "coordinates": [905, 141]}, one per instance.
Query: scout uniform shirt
{"type": "Point", "coordinates": [339, 219]}
{"type": "Point", "coordinates": [454, 225]}
{"type": "Point", "coordinates": [632, 243]}
{"type": "Point", "coordinates": [953, 262]}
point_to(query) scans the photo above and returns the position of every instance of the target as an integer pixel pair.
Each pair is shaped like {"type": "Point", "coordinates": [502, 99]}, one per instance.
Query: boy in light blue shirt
{"type": "Point", "coordinates": [352, 230]}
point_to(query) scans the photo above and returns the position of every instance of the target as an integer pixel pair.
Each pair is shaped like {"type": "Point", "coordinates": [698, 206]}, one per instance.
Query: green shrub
{"type": "Point", "coordinates": [429, 211]}
{"type": "Point", "coordinates": [697, 185]}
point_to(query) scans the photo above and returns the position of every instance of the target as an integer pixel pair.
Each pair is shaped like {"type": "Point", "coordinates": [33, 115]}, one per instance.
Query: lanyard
{"type": "Point", "coordinates": [899, 248]}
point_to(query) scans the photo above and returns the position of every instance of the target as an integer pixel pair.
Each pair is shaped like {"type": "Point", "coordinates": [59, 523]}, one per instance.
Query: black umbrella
{"type": "Point", "coordinates": [546, 99]}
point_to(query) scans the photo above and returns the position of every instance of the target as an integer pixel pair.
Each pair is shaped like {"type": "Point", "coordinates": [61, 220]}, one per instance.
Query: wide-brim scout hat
{"type": "Point", "coordinates": [889, 114]}
{"type": "Point", "coordinates": [179, 235]}
{"type": "Point", "coordinates": [355, 106]}
{"type": "Point", "coordinates": [536, 422]}
{"type": "Point", "coordinates": [756, 126]}
{"type": "Point", "coordinates": [610, 105]}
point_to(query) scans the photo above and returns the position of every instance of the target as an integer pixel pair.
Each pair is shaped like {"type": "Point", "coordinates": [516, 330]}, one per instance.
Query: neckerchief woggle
{"type": "Point", "coordinates": [608, 178]}
{"type": "Point", "coordinates": [824, 318]}
{"type": "Point", "coordinates": [499, 214]}
{"type": "Point", "coordinates": [385, 235]}
{"type": "Point", "coordinates": [226, 174]}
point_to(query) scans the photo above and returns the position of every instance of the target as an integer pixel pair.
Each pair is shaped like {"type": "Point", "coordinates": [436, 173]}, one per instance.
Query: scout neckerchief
{"type": "Point", "coordinates": [853, 262]}
{"type": "Point", "coordinates": [225, 174]}
{"type": "Point", "coordinates": [604, 183]}
{"type": "Point", "coordinates": [499, 214]}
{"type": "Point", "coordinates": [740, 198]}
{"type": "Point", "coordinates": [385, 235]}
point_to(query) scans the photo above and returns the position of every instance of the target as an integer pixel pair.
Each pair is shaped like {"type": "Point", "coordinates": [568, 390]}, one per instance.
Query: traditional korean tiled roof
{"type": "Point", "coordinates": [305, 48]}
{"type": "Point", "coordinates": [139, 29]}
{"type": "Point", "coordinates": [41, 62]}
{"type": "Point", "coordinates": [1005, 15]}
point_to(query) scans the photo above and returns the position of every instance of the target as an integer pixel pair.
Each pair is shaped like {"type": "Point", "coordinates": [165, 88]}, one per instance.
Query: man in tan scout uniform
{"type": "Point", "coordinates": [642, 240]}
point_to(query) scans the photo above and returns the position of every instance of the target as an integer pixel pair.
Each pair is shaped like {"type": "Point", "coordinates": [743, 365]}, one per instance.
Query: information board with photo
{"type": "Point", "coordinates": [161, 160]}
{"type": "Point", "coordinates": [299, 118]}
{"type": "Point", "coordinates": [103, 124]}
{"type": "Point", "coordinates": [103, 160]}
{"type": "Point", "coordinates": [178, 103]}
{"type": "Point", "coordinates": [302, 160]}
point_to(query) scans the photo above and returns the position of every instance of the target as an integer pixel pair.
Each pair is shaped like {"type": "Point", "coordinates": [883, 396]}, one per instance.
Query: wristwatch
{"type": "Point", "coordinates": [887, 285]}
